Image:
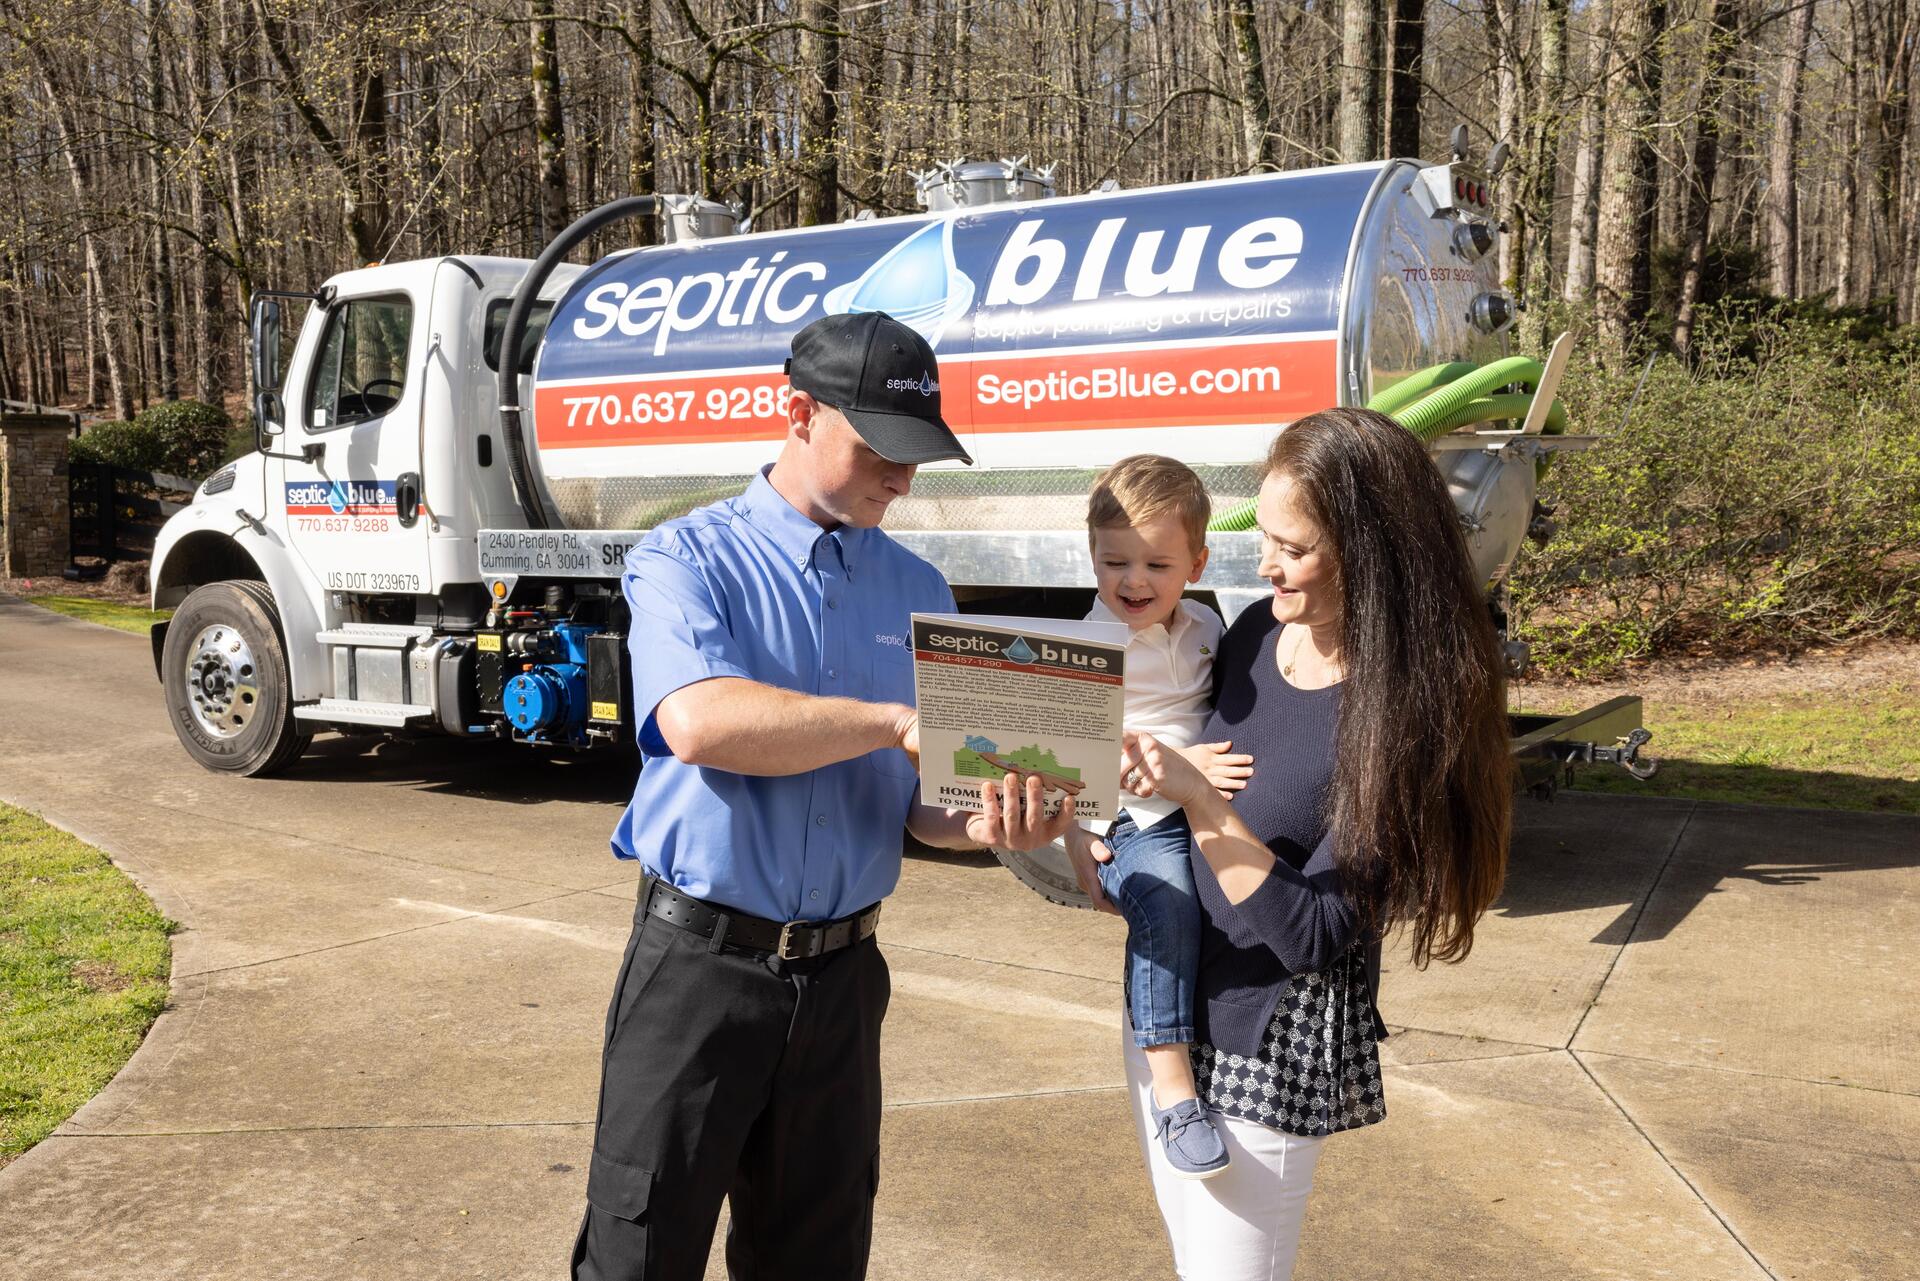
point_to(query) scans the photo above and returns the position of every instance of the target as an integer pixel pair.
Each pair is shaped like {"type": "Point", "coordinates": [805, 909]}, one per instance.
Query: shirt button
{"type": "Point", "coordinates": [833, 602]}
{"type": "Point", "coordinates": [815, 894]}
{"type": "Point", "coordinates": [833, 673]}
{"type": "Point", "coordinates": [820, 820]}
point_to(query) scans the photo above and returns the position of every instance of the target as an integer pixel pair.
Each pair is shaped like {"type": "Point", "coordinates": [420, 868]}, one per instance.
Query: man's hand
{"type": "Point", "coordinates": [1086, 852]}
{"type": "Point", "coordinates": [907, 733]}
{"type": "Point", "coordinates": [1225, 768]}
{"type": "Point", "coordinates": [1015, 818]}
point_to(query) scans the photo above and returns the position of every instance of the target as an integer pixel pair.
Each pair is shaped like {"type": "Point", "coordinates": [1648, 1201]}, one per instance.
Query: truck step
{"type": "Point", "coordinates": [353, 712]}
{"type": "Point", "coordinates": [374, 635]}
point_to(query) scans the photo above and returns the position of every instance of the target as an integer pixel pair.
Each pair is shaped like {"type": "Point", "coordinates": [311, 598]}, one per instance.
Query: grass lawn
{"type": "Point", "coordinates": [126, 618]}
{"type": "Point", "coordinates": [84, 961]}
{"type": "Point", "coordinates": [1821, 749]}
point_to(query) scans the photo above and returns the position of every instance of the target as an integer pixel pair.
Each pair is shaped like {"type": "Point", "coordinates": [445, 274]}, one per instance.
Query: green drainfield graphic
{"type": "Point", "coordinates": [971, 760]}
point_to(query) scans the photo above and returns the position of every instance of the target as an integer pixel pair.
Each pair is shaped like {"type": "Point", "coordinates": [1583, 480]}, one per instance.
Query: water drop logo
{"type": "Point", "coordinates": [916, 282]}
{"type": "Point", "coordinates": [1019, 651]}
{"type": "Point", "coordinates": [337, 497]}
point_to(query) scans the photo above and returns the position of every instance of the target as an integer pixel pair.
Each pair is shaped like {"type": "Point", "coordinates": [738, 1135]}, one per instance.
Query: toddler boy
{"type": "Point", "coordinates": [1147, 526]}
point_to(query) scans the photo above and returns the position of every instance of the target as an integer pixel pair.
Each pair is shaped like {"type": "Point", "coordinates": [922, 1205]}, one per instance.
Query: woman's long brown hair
{"type": "Point", "coordinates": [1422, 793]}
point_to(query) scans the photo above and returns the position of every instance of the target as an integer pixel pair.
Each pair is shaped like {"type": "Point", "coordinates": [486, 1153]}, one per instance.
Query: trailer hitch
{"type": "Point", "coordinates": [1625, 753]}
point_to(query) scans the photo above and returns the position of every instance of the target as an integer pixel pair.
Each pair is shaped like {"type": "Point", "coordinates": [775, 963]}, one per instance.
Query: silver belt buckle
{"type": "Point", "coordinates": [785, 951]}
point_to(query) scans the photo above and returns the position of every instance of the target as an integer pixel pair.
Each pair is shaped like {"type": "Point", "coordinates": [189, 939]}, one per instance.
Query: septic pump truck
{"type": "Point", "coordinates": [458, 452]}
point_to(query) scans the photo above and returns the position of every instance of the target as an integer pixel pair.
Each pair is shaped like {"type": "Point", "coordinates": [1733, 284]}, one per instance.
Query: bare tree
{"type": "Point", "coordinates": [1783, 197]}
{"type": "Point", "coordinates": [1362, 35]}
{"type": "Point", "coordinates": [1623, 251]}
{"type": "Point", "coordinates": [818, 93]}
{"type": "Point", "coordinates": [549, 123]}
{"type": "Point", "coordinates": [1407, 48]}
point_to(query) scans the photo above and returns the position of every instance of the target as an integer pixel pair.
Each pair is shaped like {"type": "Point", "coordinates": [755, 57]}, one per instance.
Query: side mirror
{"type": "Point", "coordinates": [266, 344]}
{"type": "Point", "coordinates": [269, 414]}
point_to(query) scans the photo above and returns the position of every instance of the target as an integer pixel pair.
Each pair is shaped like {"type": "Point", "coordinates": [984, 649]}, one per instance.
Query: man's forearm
{"type": "Point", "coordinates": [745, 727]}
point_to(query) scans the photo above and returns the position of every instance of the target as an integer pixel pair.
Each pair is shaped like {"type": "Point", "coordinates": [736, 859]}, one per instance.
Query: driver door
{"type": "Point", "coordinates": [351, 485]}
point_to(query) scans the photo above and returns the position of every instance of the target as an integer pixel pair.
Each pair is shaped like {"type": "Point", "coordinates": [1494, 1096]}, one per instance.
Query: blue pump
{"type": "Point", "coordinates": [548, 703]}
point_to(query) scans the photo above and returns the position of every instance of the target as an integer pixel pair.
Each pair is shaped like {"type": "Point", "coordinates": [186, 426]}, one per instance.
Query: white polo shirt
{"type": "Point", "coordinates": [1169, 688]}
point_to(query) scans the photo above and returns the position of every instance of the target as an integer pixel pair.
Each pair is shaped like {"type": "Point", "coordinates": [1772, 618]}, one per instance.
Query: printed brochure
{"type": "Point", "coordinates": [1019, 695]}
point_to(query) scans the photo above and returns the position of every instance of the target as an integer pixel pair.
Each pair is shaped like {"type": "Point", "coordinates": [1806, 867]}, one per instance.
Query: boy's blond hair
{"type": "Point", "coordinates": [1146, 487]}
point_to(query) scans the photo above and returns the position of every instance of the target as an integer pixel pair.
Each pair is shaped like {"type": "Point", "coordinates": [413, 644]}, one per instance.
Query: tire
{"type": "Point", "coordinates": [224, 670]}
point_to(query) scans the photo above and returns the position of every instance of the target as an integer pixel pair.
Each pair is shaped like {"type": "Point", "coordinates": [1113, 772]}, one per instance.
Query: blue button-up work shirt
{"type": "Point", "coordinates": [750, 587]}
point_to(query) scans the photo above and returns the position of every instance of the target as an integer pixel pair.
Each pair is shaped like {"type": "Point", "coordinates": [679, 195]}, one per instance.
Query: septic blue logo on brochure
{"type": "Point", "coordinates": [1184, 263]}
{"type": "Point", "coordinates": [1019, 651]}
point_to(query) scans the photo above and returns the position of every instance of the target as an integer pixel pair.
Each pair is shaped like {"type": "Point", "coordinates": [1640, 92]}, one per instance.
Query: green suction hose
{"type": "Point", "coordinates": [1432, 415]}
{"type": "Point", "coordinates": [1439, 399]}
{"type": "Point", "coordinates": [1416, 385]}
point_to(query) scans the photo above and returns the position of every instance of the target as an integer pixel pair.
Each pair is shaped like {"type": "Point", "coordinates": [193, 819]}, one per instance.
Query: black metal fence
{"type": "Point", "coordinates": [115, 513]}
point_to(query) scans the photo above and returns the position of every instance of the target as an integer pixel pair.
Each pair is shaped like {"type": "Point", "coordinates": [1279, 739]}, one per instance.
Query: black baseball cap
{"type": "Point", "coordinates": [883, 377]}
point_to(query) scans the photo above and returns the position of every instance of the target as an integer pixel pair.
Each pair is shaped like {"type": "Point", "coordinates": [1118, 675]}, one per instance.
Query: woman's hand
{"type": "Point", "coordinates": [1148, 768]}
{"type": "Point", "coordinates": [1086, 852]}
{"type": "Point", "coordinates": [1226, 769]}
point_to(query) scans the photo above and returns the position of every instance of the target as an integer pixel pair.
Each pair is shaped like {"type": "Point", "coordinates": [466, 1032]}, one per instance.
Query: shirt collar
{"type": "Point", "coordinates": [792, 531]}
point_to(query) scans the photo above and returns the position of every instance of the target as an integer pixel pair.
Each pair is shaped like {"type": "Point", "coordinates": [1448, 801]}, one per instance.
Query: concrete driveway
{"type": "Point", "coordinates": [1687, 1044]}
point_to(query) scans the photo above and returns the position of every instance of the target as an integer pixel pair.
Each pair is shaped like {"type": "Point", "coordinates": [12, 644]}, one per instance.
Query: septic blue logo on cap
{"type": "Point", "coordinates": [916, 282]}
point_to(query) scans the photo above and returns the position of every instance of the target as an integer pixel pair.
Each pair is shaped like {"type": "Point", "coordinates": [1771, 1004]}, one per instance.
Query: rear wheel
{"type": "Point", "coordinates": [224, 669]}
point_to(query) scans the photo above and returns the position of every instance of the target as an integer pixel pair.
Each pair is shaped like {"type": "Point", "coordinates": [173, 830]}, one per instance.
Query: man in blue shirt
{"type": "Point", "coordinates": [774, 687]}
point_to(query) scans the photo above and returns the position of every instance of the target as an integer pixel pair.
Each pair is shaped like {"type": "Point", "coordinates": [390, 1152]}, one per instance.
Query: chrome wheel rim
{"type": "Point", "coordinates": [223, 681]}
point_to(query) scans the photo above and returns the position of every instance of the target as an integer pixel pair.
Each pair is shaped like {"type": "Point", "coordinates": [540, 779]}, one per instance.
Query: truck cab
{"type": "Point", "coordinates": [379, 463]}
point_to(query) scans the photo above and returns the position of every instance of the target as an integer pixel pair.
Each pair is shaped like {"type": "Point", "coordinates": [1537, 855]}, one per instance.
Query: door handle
{"type": "Point", "coordinates": [406, 498]}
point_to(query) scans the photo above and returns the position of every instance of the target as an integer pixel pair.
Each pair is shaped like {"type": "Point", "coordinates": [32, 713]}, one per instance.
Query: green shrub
{"type": "Point", "coordinates": [192, 435]}
{"type": "Point", "coordinates": [133, 444]}
{"type": "Point", "coordinates": [1767, 497]}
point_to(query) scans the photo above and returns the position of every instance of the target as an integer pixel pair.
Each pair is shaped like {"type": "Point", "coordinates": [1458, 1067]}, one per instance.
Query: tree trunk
{"type": "Point", "coordinates": [1407, 51]}
{"type": "Point", "coordinates": [549, 126]}
{"type": "Point", "coordinates": [1584, 207]}
{"type": "Point", "coordinates": [1543, 167]}
{"type": "Point", "coordinates": [102, 323]}
{"type": "Point", "coordinates": [642, 168]}
{"type": "Point", "coordinates": [1783, 198]}
{"type": "Point", "coordinates": [1846, 251]}
{"type": "Point", "coordinates": [1703, 170]}
{"type": "Point", "coordinates": [165, 339]}
{"type": "Point", "coordinates": [818, 92]}
{"type": "Point", "coordinates": [1623, 251]}
{"type": "Point", "coordinates": [1259, 146]}
{"type": "Point", "coordinates": [1362, 33]}
{"type": "Point", "coordinates": [204, 308]}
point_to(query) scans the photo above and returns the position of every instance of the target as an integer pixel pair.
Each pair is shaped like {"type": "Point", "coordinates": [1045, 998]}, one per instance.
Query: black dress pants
{"type": "Point", "coordinates": [732, 1074]}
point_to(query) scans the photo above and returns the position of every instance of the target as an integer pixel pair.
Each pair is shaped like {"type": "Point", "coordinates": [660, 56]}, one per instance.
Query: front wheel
{"type": "Point", "coordinates": [224, 669]}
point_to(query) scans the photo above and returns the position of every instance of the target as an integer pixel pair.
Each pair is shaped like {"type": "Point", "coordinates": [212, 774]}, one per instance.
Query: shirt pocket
{"type": "Point", "coordinates": [890, 680]}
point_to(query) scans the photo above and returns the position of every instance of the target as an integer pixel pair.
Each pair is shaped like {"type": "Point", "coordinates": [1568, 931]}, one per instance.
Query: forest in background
{"type": "Point", "coordinates": [167, 157]}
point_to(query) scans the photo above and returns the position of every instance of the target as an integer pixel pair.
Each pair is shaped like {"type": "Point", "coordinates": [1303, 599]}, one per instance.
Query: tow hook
{"type": "Point", "coordinates": [1625, 753]}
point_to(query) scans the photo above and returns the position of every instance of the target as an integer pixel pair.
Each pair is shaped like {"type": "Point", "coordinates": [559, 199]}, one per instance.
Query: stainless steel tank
{"type": "Point", "coordinates": [1192, 320]}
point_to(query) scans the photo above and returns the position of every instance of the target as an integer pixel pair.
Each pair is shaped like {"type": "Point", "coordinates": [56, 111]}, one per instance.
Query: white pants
{"type": "Point", "coordinates": [1243, 1224]}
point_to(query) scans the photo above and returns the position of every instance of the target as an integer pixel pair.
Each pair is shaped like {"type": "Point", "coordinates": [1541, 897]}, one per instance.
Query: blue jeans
{"type": "Point", "coordinates": [1151, 881]}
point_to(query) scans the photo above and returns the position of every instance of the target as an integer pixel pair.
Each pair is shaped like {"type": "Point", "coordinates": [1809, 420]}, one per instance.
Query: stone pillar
{"type": "Point", "coordinates": [33, 494]}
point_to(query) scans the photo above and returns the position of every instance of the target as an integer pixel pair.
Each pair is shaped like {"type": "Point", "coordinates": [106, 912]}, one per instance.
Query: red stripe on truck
{"type": "Point", "coordinates": [1136, 387]}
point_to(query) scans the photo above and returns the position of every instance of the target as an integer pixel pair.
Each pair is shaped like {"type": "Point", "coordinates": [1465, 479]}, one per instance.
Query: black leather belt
{"type": "Point", "coordinates": [789, 940]}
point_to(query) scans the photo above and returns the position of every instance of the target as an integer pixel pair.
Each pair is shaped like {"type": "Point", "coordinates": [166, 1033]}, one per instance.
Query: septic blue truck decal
{"type": "Point", "coordinates": [1202, 304]}
{"type": "Point", "coordinates": [341, 498]}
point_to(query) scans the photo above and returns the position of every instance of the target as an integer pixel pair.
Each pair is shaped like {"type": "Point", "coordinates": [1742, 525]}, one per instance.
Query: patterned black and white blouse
{"type": "Point", "coordinates": [1318, 1070]}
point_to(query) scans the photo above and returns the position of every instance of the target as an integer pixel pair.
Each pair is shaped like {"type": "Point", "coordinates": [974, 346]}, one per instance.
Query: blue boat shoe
{"type": "Point", "coordinates": [1194, 1148]}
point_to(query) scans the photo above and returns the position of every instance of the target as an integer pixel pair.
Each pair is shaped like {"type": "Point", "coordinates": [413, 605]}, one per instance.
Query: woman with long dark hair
{"type": "Point", "coordinates": [1369, 695]}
